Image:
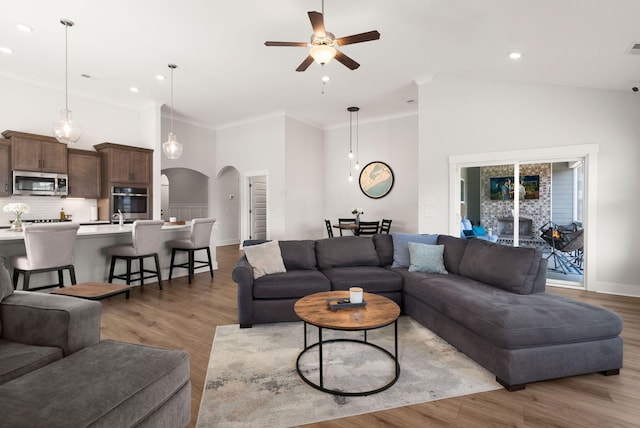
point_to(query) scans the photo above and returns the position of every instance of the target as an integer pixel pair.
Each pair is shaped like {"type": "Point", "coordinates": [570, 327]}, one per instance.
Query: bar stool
{"type": "Point", "coordinates": [50, 247]}
{"type": "Point", "coordinates": [146, 241]}
{"type": "Point", "coordinates": [199, 240]}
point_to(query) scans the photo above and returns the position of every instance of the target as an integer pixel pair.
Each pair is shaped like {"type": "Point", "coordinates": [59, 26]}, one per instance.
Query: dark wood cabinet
{"type": "Point", "coordinates": [6, 177]}
{"type": "Point", "coordinates": [125, 164]}
{"type": "Point", "coordinates": [85, 177]}
{"type": "Point", "coordinates": [32, 152]}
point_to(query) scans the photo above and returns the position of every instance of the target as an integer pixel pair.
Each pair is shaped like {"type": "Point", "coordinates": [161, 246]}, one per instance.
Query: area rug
{"type": "Point", "coordinates": [252, 379]}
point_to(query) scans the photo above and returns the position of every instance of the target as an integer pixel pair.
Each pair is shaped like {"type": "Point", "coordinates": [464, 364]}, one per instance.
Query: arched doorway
{"type": "Point", "coordinates": [227, 203]}
{"type": "Point", "coordinates": [186, 195]}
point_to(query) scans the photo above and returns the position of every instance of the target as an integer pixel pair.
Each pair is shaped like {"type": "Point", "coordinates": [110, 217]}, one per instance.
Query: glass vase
{"type": "Point", "coordinates": [17, 224]}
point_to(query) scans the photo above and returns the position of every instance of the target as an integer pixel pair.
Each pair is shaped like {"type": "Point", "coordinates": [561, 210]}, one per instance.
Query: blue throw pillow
{"type": "Point", "coordinates": [479, 231]}
{"type": "Point", "coordinates": [426, 258]}
{"type": "Point", "coordinates": [401, 248]}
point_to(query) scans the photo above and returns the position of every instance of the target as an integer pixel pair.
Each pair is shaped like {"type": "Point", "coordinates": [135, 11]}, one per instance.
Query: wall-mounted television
{"type": "Point", "coordinates": [504, 188]}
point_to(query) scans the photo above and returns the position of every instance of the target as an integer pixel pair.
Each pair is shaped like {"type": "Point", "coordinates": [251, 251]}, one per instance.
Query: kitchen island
{"type": "Point", "coordinates": [92, 262]}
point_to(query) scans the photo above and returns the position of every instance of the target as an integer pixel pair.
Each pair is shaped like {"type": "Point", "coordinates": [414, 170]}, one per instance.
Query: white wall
{"type": "Point", "coordinates": [33, 109]}
{"type": "Point", "coordinates": [393, 141]}
{"type": "Point", "coordinates": [461, 116]}
{"type": "Point", "coordinates": [227, 205]}
{"type": "Point", "coordinates": [257, 148]}
{"type": "Point", "coordinates": [305, 168]}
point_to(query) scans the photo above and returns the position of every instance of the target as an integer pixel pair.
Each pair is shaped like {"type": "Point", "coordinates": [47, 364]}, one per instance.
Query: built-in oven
{"type": "Point", "coordinates": [132, 202]}
{"type": "Point", "coordinates": [39, 183]}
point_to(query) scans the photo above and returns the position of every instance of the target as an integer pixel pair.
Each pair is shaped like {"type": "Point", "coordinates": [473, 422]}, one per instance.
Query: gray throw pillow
{"type": "Point", "coordinates": [401, 247]}
{"type": "Point", "coordinates": [6, 286]}
{"type": "Point", "coordinates": [426, 258]}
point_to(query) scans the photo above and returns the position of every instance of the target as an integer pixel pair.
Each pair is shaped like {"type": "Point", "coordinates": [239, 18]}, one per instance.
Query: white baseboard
{"type": "Point", "coordinates": [227, 242]}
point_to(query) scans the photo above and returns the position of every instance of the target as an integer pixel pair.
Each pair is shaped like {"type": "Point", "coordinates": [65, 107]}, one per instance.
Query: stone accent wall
{"type": "Point", "coordinates": [538, 210]}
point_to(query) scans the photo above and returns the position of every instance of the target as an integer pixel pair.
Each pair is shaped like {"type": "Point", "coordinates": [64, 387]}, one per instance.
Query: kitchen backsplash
{"type": "Point", "coordinates": [48, 207]}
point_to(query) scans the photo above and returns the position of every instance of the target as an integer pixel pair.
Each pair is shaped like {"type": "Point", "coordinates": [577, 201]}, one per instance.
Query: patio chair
{"type": "Point", "coordinates": [567, 243]}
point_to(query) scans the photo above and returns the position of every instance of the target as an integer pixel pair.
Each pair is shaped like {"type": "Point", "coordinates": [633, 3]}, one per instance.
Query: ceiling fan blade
{"type": "Point", "coordinates": [358, 38]}
{"type": "Point", "coordinates": [301, 44]}
{"type": "Point", "coordinates": [346, 61]}
{"type": "Point", "coordinates": [305, 64]}
{"type": "Point", "coordinates": [317, 22]}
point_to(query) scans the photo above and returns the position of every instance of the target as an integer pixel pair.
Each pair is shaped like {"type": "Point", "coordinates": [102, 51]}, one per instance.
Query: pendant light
{"type": "Point", "coordinates": [65, 130]}
{"type": "Point", "coordinates": [352, 110]}
{"type": "Point", "coordinates": [172, 148]}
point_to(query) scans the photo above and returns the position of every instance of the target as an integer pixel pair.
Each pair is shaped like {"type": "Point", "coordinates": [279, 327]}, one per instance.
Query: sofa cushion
{"type": "Point", "coordinates": [289, 285]}
{"type": "Point", "coordinates": [384, 247]}
{"type": "Point", "coordinates": [510, 268]}
{"type": "Point", "coordinates": [511, 320]}
{"type": "Point", "coordinates": [346, 251]}
{"type": "Point", "coordinates": [401, 247]}
{"type": "Point", "coordinates": [6, 285]}
{"type": "Point", "coordinates": [373, 279]}
{"type": "Point", "coordinates": [298, 254]}
{"type": "Point", "coordinates": [111, 384]}
{"type": "Point", "coordinates": [426, 258]}
{"type": "Point", "coordinates": [453, 251]}
{"type": "Point", "coordinates": [265, 258]}
{"type": "Point", "coordinates": [17, 359]}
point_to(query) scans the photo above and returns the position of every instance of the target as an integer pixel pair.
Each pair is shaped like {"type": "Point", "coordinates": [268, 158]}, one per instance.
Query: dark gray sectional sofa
{"type": "Point", "coordinates": [491, 305]}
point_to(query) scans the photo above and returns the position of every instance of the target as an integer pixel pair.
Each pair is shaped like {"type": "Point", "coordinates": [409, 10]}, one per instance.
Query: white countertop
{"type": "Point", "coordinates": [87, 231]}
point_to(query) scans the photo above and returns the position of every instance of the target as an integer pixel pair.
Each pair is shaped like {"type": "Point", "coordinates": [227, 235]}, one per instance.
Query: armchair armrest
{"type": "Point", "coordinates": [42, 319]}
{"type": "Point", "coordinates": [243, 275]}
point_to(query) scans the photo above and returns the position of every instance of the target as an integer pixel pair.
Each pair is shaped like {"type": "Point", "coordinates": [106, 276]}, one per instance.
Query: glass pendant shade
{"type": "Point", "coordinates": [172, 148]}
{"type": "Point", "coordinates": [322, 54]}
{"type": "Point", "coordinates": [65, 130]}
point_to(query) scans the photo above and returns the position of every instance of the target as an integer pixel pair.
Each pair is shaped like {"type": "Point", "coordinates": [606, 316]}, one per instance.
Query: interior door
{"type": "Point", "coordinates": [258, 208]}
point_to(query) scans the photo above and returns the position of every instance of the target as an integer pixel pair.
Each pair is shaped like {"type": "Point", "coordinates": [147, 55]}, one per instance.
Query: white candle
{"type": "Point", "coordinates": [355, 294]}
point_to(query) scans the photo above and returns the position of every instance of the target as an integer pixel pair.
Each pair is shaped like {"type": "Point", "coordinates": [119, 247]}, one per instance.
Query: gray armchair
{"type": "Point", "coordinates": [37, 329]}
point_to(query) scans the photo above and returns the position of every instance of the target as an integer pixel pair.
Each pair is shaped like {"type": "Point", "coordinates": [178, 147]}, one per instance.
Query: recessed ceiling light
{"type": "Point", "coordinates": [5, 50]}
{"type": "Point", "coordinates": [159, 77]}
{"type": "Point", "coordinates": [325, 79]}
{"type": "Point", "coordinates": [515, 55]}
{"type": "Point", "coordinates": [24, 27]}
{"type": "Point", "coordinates": [133, 89]}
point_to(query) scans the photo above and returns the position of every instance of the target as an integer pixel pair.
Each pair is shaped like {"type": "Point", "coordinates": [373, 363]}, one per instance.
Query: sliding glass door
{"type": "Point", "coordinates": [529, 204]}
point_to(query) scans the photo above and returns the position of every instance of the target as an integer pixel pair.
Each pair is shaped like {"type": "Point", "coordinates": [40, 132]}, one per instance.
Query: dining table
{"type": "Point", "coordinates": [353, 227]}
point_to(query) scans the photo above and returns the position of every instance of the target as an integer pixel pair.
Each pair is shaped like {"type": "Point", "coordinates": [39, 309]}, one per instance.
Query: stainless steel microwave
{"type": "Point", "coordinates": [40, 183]}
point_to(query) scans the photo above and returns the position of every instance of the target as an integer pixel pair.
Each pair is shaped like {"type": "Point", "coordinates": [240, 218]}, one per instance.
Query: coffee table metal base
{"type": "Point", "coordinates": [320, 386]}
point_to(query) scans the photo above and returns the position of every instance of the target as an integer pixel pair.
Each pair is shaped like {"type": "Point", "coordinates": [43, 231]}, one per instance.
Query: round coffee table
{"type": "Point", "coordinates": [378, 312]}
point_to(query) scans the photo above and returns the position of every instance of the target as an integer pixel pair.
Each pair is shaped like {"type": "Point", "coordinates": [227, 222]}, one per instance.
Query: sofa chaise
{"type": "Point", "coordinates": [491, 303]}
{"type": "Point", "coordinates": [55, 371]}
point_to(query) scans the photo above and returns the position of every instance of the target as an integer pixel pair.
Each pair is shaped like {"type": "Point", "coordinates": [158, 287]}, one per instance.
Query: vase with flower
{"type": "Point", "coordinates": [17, 208]}
{"type": "Point", "coordinates": [357, 212]}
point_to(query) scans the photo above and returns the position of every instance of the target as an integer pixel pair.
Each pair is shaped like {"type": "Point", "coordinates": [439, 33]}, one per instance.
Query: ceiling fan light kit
{"type": "Point", "coordinates": [66, 130]}
{"type": "Point", "coordinates": [323, 45]}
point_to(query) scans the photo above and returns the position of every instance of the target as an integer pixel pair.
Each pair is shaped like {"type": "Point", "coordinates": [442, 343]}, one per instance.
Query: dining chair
{"type": "Point", "coordinates": [200, 239]}
{"type": "Point", "coordinates": [50, 247]}
{"type": "Point", "coordinates": [146, 240]}
{"type": "Point", "coordinates": [368, 228]}
{"type": "Point", "coordinates": [327, 223]}
{"type": "Point", "coordinates": [385, 227]}
{"type": "Point", "coordinates": [345, 221]}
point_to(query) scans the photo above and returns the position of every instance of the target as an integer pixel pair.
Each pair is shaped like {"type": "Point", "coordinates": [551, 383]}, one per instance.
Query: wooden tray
{"type": "Point", "coordinates": [175, 223]}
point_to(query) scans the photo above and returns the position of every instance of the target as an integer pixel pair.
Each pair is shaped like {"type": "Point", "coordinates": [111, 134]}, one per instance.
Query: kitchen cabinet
{"type": "Point", "coordinates": [126, 164]}
{"type": "Point", "coordinates": [31, 152]}
{"type": "Point", "coordinates": [6, 177]}
{"type": "Point", "coordinates": [85, 178]}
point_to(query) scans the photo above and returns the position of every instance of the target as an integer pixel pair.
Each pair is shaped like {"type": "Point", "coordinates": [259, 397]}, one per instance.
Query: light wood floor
{"type": "Point", "coordinates": [185, 316]}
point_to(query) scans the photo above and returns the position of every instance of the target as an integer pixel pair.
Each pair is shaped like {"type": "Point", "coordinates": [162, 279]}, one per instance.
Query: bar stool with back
{"type": "Point", "coordinates": [199, 240]}
{"type": "Point", "coordinates": [50, 247]}
{"type": "Point", "coordinates": [146, 240]}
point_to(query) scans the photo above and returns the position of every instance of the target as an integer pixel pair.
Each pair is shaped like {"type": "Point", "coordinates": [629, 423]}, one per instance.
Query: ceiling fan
{"type": "Point", "coordinates": [323, 44]}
